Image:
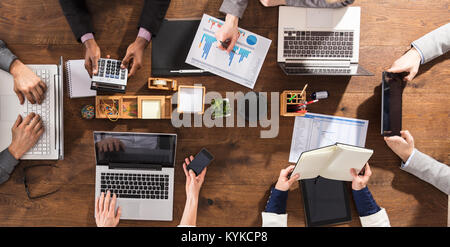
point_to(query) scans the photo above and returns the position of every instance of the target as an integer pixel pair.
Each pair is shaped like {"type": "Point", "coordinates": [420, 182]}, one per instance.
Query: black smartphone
{"type": "Point", "coordinates": [392, 86]}
{"type": "Point", "coordinates": [201, 160]}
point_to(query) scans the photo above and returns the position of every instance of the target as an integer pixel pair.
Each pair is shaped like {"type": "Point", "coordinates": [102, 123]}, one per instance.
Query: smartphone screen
{"type": "Point", "coordinates": [201, 160]}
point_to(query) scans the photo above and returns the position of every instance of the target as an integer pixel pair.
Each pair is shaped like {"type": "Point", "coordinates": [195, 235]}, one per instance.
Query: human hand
{"type": "Point", "coordinates": [105, 207]}
{"type": "Point", "coordinates": [271, 3]}
{"type": "Point", "coordinates": [228, 31]}
{"type": "Point", "coordinates": [25, 134]}
{"type": "Point", "coordinates": [193, 182]}
{"type": "Point", "coordinates": [91, 56]}
{"type": "Point", "coordinates": [409, 62]}
{"type": "Point", "coordinates": [135, 53]}
{"type": "Point", "coordinates": [360, 181]}
{"type": "Point", "coordinates": [27, 83]}
{"type": "Point", "coordinates": [110, 145]}
{"type": "Point", "coordinates": [402, 146]}
{"type": "Point", "coordinates": [284, 183]}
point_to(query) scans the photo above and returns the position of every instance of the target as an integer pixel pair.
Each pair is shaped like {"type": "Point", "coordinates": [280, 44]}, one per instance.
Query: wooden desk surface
{"type": "Point", "coordinates": [238, 182]}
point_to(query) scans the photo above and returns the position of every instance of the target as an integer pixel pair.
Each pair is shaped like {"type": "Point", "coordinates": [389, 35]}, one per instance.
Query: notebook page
{"type": "Point", "coordinates": [78, 80]}
{"type": "Point", "coordinates": [311, 164]}
{"type": "Point", "coordinates": [345, 159]}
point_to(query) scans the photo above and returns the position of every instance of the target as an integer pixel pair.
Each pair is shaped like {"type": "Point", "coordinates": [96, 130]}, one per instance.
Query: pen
{"type": "Point", "coordinates": [188, 71]}
{"type": "Point", "coordinates": [225, 44]}
{"type": "Point", "coordinates": [293, 96]}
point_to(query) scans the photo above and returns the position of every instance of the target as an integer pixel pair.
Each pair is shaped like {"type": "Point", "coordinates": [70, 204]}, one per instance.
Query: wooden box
{"type": "Point", "coordinates": [296, 98]}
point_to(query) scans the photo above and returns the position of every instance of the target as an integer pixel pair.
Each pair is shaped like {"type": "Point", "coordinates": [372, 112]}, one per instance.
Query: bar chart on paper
{"type": "Point", "coordinates": [241, 66]}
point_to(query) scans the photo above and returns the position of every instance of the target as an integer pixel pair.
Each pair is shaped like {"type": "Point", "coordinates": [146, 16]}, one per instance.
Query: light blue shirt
{"type": "Point", "coordinates": [420, 52]}
{"type": "Point", "coordinates": [409, 159]}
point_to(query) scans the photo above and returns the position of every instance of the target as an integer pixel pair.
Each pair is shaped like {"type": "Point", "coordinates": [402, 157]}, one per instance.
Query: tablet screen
{"type": "Point", "coordinates": [326, 201]}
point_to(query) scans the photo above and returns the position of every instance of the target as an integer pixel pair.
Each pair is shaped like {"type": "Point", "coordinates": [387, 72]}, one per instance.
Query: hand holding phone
{"type": "Point", "coordinates": [201, 160]}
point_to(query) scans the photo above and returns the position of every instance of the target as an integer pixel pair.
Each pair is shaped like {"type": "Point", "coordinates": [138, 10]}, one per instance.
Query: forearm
{"type": "Point", "coordinates": [77, 15]}
{"type": "Point", "coordinates": [365, 204]}
{"type": "Point", "coordinates": [153, 14]}
{"type": "Point", "coordinates": [6, 57]}
{"type": "Point", "coordinates": [433, 44]}
{"type": "Point", "coordinates": [277, 202]}
{"type": "Point", "coordinates": [190, 211]}
{"type": "Point", "coordinates": [429, 170]}
{"type": "Point", "coordinates": [7, 165]}
{"type": "Point", "coordinates": [234, 7]}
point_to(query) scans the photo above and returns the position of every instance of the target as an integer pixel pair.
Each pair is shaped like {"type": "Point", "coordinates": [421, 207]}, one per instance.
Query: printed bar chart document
{"type": "Point", "coordinates": [316, 130]}
{"type": "Point", "coordinates": [241, 66]}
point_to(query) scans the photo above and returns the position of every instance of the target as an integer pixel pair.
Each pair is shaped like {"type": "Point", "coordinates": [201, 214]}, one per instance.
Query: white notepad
{"type": "Point", "coordinates": [191, 100]}
{"type": "Point", "coordinates": [78, 79]}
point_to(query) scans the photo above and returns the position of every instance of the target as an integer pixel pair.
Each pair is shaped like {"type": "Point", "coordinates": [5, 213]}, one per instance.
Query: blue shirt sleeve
{"type": "Point", "coordinates": [403, 165]}
{"type": "Point", "coordinates": [420, 53]}
{"type": "Point", "coordinates": [365, 204]}
{"type": "Point", "coordinates": [277, 202]}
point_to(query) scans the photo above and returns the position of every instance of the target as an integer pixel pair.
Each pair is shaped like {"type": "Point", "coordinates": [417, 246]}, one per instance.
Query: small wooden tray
{"type": "Point", "coordinates": [154, 83]}
{"type": "Point", "coordinates": [130, 107]}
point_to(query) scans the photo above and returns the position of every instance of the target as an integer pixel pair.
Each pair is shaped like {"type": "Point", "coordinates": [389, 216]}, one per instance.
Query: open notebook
{"type": "Point", "coordinates": [78, 79]}
{"type": "Point", "coordinates": [332, 162]}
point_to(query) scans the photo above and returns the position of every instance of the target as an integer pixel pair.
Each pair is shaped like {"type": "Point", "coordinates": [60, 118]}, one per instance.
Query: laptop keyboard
{"type": "Point", "coordinates": [317, 71]}
{"type": "Point", "coordinates": [310, 44]}
{"type": "Point", "coordinates": [136, 186]}
{"type": "Point", "coordinates": [43, 145]}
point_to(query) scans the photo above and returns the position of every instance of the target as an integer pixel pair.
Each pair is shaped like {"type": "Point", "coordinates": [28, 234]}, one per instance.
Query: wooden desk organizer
{"type": "Point", "coordinates": [298, 99]}
{"type": "Point", "coordinates": [154, 84]}
{"type": "Point", "coordinates": [125, 106]}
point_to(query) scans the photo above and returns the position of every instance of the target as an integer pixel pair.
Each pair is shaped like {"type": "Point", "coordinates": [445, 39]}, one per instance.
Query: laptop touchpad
{"type": "Point", "coordinates": [319, 18]}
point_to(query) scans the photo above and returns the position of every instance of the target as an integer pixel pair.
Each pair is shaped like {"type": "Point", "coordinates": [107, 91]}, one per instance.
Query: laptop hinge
{"type": "Point", "coordinates": [318, 63]}
{"type": "Point", "coordinates": [129, 166]}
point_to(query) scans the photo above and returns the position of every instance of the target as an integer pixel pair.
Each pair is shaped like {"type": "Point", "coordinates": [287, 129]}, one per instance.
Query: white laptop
{"type": "Point", "coordinates": [319, 41]}
{"type": "Point", "coordinates": [51, 144]}
{"type": "Point", "coordinates": [139, 169]}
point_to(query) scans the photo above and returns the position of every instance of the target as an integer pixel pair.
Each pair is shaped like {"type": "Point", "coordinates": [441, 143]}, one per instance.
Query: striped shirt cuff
{"type": "Point", "coordinates": [145, 34]}
{"type": "Point", "coordinates": [87, 36]}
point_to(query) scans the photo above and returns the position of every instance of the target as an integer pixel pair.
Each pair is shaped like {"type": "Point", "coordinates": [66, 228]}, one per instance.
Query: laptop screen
{"type": "Point", "coordinates": [135, 148]}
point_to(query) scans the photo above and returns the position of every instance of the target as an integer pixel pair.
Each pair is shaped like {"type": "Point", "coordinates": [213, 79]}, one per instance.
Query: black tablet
{"type": "Point", "coordinates": [326, 201]}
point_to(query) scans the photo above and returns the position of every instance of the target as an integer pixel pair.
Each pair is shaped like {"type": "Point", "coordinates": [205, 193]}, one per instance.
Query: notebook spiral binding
{"type": "Point", "coordinates": [68, 78]}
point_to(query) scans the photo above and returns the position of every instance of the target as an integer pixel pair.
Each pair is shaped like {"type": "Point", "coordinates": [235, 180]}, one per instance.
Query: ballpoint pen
{"type": "Point", "coordinates": [225, 44]}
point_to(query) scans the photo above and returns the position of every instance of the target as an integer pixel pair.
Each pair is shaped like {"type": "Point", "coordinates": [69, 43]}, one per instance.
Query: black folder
{"type": "Point", "coordinates": [171, 47]}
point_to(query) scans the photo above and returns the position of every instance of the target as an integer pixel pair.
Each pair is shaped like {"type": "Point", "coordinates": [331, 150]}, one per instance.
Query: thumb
{"type": "Point", "coordinates": [232, 43]}
{"type": "Point", "coordinates": [410, 77]}
{"type": "Point", "coordinates": [20, 96]}
{"type": "Point", "coordinates": [408, 137]}
{"type": "Point", "coordinates": [293, 178]}
{"type": "Point", "coordinates": [126, 61]}
{"type": "Point", "coordinates": [353, 173]}
{"type": "Point", "coordinates": [192, 174]}
{"type": "Point", "coordinates": [396, 68]}
{"type": "Point", "coordinates": [94, 62]}
{"type": "Point", "coordinates": [119, 213]}
{"type": "Point", "coordinates": [18, 121]}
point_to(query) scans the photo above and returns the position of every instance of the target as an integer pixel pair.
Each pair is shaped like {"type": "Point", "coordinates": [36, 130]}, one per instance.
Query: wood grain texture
{"type": "Point", "coordinates": [238, 182]}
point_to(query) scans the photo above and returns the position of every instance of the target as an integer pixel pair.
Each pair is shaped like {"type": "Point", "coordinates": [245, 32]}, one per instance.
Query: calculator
{"type": "Point", "coordinates": [110, 76]}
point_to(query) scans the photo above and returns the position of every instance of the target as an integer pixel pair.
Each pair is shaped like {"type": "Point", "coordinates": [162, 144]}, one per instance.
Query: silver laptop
{"type": "Point", "coordinates": [51, 144]}
{"type": "Point", "coordinates": [317, 41]}
{"type": "Point", "coordinates": [139, 169]}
